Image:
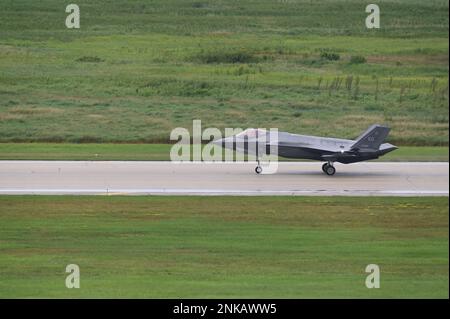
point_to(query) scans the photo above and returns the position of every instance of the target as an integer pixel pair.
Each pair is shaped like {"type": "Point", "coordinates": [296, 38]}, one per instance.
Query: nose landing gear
{"type": "Point", "coordinates": [328, 168]}
{"type": "Point", "coordinates": [258, 169]}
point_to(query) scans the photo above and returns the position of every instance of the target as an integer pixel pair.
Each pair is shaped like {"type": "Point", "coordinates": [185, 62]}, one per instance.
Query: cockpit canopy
{"type": "Point", "coordinates": [252, 133]}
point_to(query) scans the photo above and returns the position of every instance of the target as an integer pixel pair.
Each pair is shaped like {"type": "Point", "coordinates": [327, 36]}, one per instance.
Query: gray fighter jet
{"type": "Point", "coordinates": [369, 145]}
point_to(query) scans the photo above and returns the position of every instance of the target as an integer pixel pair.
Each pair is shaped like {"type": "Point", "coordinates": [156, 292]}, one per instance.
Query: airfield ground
{"type": "Point", "coordinates": [216, 247]}
{"type": "Point", "coordinates": [238, 178]}
{"type": "Point", "coordinates": [135, 70]}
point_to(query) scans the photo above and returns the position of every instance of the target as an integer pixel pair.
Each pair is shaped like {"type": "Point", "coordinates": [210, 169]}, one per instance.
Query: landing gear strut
{"type": "Point", "coordinates": [328, 168]}
{"type": "Point", "coordinates": [258, 169]}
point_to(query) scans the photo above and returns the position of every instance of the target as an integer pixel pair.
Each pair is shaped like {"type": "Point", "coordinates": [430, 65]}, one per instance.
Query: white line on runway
{"type": "Point", "coordinates": [218, 192]}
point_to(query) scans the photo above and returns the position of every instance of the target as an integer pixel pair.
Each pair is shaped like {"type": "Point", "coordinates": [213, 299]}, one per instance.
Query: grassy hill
{"type": "Point", "coordinates": [137, 69]}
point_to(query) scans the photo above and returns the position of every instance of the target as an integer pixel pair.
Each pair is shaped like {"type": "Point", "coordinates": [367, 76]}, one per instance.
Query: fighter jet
{"type": "Point", "coordinates": [369, 145]}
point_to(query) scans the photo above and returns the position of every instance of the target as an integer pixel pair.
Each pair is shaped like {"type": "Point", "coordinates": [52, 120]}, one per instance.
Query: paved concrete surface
{"type": "Point", "coordinates": [292, 178]}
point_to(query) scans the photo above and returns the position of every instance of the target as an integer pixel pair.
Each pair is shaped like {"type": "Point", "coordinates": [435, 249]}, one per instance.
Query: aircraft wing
{"type": "Point", "coordinates": [339, 156]}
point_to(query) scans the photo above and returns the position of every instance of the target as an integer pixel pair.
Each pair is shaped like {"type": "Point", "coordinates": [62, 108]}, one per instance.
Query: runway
{"type": "Point", "coordinates": [156, 178]}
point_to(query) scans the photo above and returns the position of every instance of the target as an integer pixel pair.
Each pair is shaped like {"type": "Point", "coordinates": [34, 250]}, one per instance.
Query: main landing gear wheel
{"type": "Point", "coordinates": [328, 169]}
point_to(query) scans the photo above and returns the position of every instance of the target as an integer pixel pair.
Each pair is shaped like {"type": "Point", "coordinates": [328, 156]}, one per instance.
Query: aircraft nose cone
{"type": "Point", "coordinates": [227, 142]}
{"type": "Point", "coordinates": [219, 142]}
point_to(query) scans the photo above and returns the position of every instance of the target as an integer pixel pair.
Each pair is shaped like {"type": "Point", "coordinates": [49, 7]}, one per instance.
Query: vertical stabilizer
{"type": "Point", "coordinates": [372, 138]}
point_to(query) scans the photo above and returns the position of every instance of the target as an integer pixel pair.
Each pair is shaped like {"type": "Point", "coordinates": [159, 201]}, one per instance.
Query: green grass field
{"type": "Point", "coordinates": [136, 70]}
{"type": "Point", "coordinates": [114, 90]}
{"type": "Point", "coordinates": [161, 152]}
{"type": "Point", "coordinates": [268, 247]}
